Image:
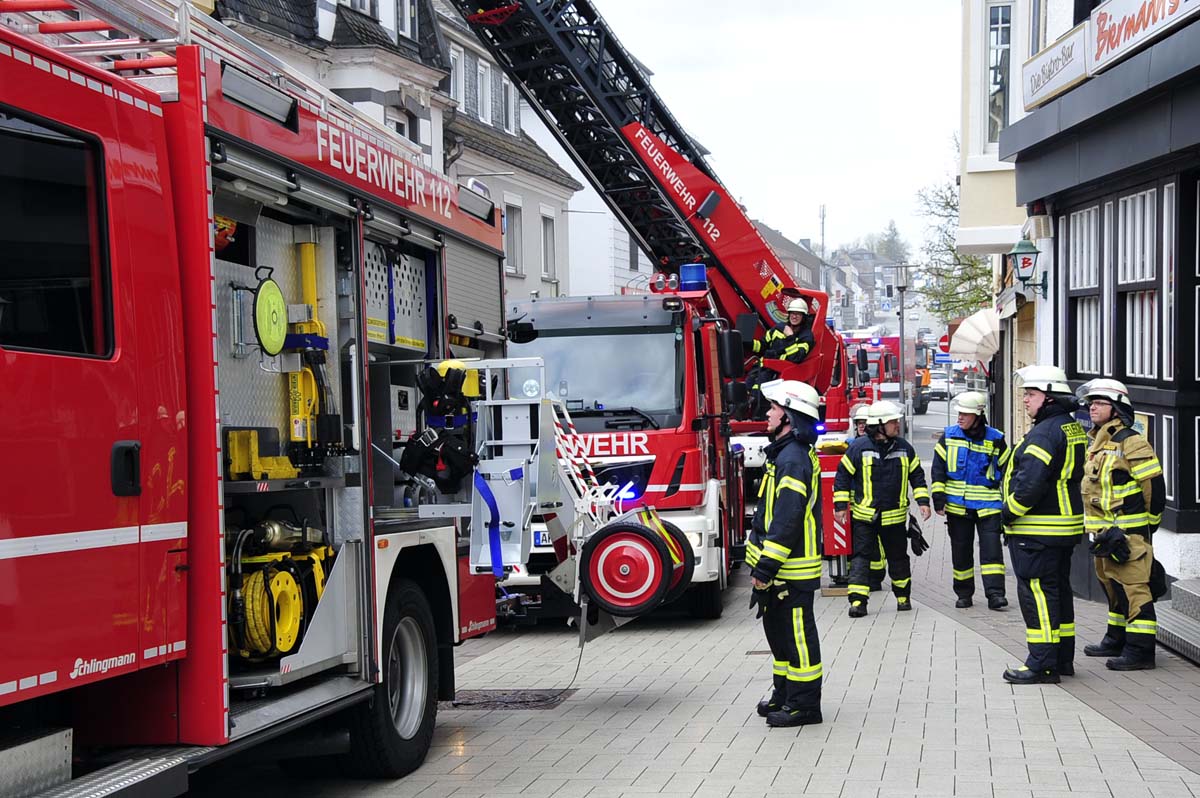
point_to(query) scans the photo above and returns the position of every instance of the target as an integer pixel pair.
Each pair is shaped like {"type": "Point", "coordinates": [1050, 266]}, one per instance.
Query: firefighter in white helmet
{"type": "Point", "coordinates": [1043, 521]}
{"type": "Point", "coordinates": [783, 553]}
{"type": "Point", "coordinates": [968, 466]}
{"type": "Point", "coordinates": [791, 340]}
{"type": "Point", "coordinates": [1123, 499]}
{"type": "Point", "coordinates": [873, 480]}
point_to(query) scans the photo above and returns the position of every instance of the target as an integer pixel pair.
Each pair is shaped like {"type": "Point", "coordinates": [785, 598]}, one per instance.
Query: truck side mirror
{"type": "Point", "coordinates": [863, 365]}
{"type": "Point", "coordinates": [729, 354]}
{"type": "Point", "coordinates": [735, 394]}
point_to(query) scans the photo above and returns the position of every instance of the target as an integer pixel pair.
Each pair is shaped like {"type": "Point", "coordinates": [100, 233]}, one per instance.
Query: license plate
{"type": "Point", "coordinates": [541, 538]}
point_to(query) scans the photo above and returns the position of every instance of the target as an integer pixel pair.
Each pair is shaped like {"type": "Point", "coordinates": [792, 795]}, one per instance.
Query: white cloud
{"type": "Point", "coordinates": [850, 104]}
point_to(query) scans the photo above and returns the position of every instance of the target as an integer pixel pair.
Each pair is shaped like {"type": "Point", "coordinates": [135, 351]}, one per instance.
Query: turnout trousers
{"type": "Point", "coordinates": [963, 529]}
{"type": "Point", "coordinates": [868, 537]}
{"type": "Point", "coordinates": [791, 633]}
{"type": "Point", "coordinates": [1132, 624]}
{"type": "Point", "coordinates": [1047, 604]}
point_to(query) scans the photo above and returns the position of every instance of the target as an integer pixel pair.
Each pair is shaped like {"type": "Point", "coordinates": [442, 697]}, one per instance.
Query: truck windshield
{"type": "Point", "coordinates": [609, 369]}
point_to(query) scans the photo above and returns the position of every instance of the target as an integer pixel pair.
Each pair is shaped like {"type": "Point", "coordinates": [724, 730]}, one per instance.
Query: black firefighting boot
{"type": "Point", "coordinates": [1023, 675]}
{"type": "Point", "coordinates": [1138, 654]}
{"type": "Point", "coordinates": [997, 602]}
{"type": "Point", "coordinates": [963, 603]}
{"type": "Point", "coordinates": [786, 716]}
{"type": "Point", "coordinates": [903, 604]}
{"type": "Point", "coordinates": [1107, 647]}
{"type": "Point", "coordinates": [858, 609]}
{"type": "Point", "coordinates": [769, 705]}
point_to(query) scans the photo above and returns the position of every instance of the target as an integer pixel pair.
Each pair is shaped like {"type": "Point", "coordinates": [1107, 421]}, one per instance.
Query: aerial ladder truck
{"type": "Point", "coordinates": [652, 381]}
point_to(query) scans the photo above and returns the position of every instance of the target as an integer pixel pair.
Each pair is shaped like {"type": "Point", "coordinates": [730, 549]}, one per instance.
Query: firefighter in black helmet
{"type": "Point", "coordinates": [784, 555]}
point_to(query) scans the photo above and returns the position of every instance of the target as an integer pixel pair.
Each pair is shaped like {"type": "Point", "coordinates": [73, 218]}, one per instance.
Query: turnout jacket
{"type": "Point", "coordinates": [874, 478]}
{"type": "Point", "coordinates": [783, 539]}
{"type": "Point", "coordinates": [967, 470]}
{"type": "Point", "coordinates": [1123, 482]}
{"type": "Point", "coordinates": [1041, 484]}
{"type": "Point", "coordinates": [778, 345]}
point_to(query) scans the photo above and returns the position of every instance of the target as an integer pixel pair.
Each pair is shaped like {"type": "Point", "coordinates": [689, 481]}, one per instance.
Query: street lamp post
{"type": "Point", "coordinates": [905, 396]}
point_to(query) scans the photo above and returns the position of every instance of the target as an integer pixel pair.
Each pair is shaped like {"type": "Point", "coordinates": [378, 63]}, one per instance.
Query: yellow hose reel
{"type": "Point", "coordinates": [284, 603]}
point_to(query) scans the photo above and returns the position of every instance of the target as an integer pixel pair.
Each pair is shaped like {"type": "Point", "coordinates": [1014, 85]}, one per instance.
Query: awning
{"type": "Point", "coordinates": [978, 337]}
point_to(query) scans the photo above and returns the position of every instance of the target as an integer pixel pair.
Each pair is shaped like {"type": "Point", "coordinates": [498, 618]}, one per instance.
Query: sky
{"type": "Point", "coordinates": [853, 104]}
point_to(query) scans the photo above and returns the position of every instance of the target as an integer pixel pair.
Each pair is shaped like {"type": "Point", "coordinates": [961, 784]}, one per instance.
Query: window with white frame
{"type": "Point", "coordinates": [508, 95]}
{"type": "Point", "coordinates": [406, 18]}
{"type": "Point", "coordinates": [1166, 455]}
{"type": "Point", "coordinates": [1168, 282]}
{"type": "Point", "coordinates": [548, 265]}
{"type": "Point", "coordinates": [1083, 270]}
{"type": "Point", "coordinates": [368, 7]}
{"type": "Point", "coordinates": [513, 240]}
{"type": "Point", "coordinates": [999, 66]}
{"type": "Point", "coordinates": [457, 67]}
{"type": "Point", "coordinates": [1137, 239]}
{"type": "Point", "coordinates": [483, 85]}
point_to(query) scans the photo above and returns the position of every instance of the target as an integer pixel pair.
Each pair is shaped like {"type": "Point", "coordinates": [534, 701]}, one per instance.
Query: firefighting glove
{"type": "Point", "coordinates": [1111, 544]}
{"type": "Point", "coordinates": [760, 596]}
{"type": "Point", "coordinates": [919, 544]}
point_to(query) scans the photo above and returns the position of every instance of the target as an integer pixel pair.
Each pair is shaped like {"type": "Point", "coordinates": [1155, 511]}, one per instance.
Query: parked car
{"type": "Point", "coordinates": [939, 388]}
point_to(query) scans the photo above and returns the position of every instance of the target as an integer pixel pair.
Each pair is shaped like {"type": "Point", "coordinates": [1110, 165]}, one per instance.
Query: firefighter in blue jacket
{"type": "Point", "coordinates": [873, 480]}
{"type": "Point", "coordinates": [784, 556]}
{"type": "Point", "coordinates": [968, 463]}
{"type": "Point", "coordinates": [1043, 521]}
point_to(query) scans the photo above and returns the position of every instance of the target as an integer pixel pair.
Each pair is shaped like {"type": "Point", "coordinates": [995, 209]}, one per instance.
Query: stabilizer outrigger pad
{"type": "Point", "coordinates": [626, 568]}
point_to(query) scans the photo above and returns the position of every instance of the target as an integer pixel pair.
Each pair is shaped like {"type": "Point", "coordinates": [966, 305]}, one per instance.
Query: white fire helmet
{"type": "Point", "coordinates": [1050, 379]}
{"type": "Point", "coordinates": [1112, 390]}
{"type": "Point", "coordinates": [884, 411]}
{"type": "Point", "coordinates": [860, 413]}
{"type": "Point", "coordinates": [794, 395]}
{"type": "Point", "coordinates": [797, 305]}
{"type": "Point", "coordinates": [972, 402]}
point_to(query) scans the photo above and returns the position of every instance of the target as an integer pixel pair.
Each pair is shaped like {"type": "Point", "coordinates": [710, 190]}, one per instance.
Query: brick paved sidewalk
{"type": "Point", "coordinates": [1167, 699]}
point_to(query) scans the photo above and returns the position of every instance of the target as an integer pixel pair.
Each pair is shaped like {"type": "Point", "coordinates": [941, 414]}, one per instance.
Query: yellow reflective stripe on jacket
{"type": "Point", "coordinates": [1039, 453]}
{"type": "Point", "coordinates": [791, 483]}
{"type": "Point", "coordinates": [848, 464]}
{"type": "Point", "coordinates": [776, 552]}
{"type": "Point", "coordinates": [1147, 470]}
{"type": "Point", "coordinates": [803, 346]}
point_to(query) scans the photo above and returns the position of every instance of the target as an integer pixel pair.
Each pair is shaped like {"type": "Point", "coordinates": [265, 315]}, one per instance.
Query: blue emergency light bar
{"type": "Point", "coordinates": [693, 277]}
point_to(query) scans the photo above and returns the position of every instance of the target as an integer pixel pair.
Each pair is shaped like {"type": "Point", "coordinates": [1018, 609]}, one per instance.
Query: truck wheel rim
{"type": "Point", "coordinates": [625, 571]}
{"type": "Point", "coordinates": [408, 677]}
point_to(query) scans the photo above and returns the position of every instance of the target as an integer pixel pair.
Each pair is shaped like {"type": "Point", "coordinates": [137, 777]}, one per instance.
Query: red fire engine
{"type": "Point", "coordinates": [641, 374]}
{"type": "Point", "coordinates": [881, 377]}
{"type": "Point", "coordinates": [219, 281]}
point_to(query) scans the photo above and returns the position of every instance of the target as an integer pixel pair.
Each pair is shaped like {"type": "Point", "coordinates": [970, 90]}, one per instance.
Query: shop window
{"type": "Point", "coordinates": [1141, 333]}
{"type": "Point", "coordinates": [1137, 243]}
{"type": "Point", "coordinates": [1083, 269]}
{"type": "Point", "coordinates": [1168, 281]}
{"type": "Point", "coordinates": [54, 292]}
{"type": "Point", "coordinates": [1166, 455]}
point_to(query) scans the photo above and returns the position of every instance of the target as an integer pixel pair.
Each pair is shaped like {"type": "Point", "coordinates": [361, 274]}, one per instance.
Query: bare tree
{"type": "Point", "coordinates": [955, 285]}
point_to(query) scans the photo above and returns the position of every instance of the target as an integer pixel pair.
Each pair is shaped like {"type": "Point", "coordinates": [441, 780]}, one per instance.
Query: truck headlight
{"type": "Point", "coordinates": [696, 539]}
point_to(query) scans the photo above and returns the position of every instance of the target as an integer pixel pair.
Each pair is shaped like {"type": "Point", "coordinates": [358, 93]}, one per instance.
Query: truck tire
{"type": "Point", "coordinates": [391, 733]}
{"type": "Point", "coordinates": [922, 406]}
{"type": "Point", "coordinates": [705, 600]}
